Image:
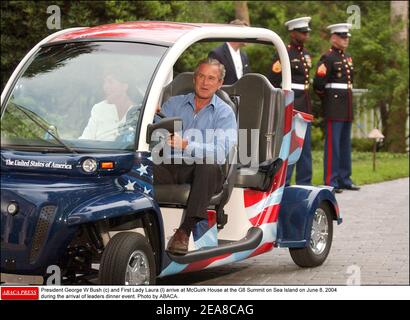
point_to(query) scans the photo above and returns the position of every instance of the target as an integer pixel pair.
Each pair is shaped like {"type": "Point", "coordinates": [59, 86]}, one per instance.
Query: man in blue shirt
{"type": "Point", "coordinates": [209, 131]}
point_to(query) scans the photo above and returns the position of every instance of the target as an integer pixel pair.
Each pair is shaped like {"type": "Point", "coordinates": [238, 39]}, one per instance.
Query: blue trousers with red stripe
{"type": "Point", "coordinates": [338, 154]}
{"type": "Point", "coordinates": [304, 164]}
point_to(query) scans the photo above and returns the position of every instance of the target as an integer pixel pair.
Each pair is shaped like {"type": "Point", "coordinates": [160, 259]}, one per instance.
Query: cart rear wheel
{"type": "Point", "coordinates": [316, 252]}
{"type": "Point", "coordinates": [127, 260]}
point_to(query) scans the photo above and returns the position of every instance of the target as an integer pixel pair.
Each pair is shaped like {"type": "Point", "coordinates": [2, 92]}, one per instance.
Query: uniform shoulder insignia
{"type": "Point", "coordinates": [276, 67]}
{"type": "Point", "coordinates": [322, 70]}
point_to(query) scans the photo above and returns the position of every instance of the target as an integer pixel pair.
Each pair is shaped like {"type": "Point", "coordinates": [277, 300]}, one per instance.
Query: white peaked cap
{"type": "Point", "coordinates": [298, 24]}
{"type": "Point", "coordinates": [340, 28]}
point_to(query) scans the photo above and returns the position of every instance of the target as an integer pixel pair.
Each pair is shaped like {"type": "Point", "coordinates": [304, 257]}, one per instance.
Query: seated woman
{"type": "Point", "coordinates": [110, 119]}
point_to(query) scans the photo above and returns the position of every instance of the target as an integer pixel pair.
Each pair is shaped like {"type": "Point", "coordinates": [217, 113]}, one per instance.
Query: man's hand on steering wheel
{"type": "Point", "coordinates": [177, 142]}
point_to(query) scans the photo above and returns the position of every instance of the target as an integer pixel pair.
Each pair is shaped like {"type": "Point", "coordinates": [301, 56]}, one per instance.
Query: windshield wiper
{"type": "Point", "coordinates": [32, 118]}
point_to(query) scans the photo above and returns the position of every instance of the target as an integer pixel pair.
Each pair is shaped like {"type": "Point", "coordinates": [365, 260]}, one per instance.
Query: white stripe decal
{"type": "Point", "coordinates": [289, 98]}
{"type": "Point", "coordinates": [208, 239]}
{"type": "Point", "coordinates": [294, 156]}
{"type": "Point", "coordinates": [269, 232]}
{"type": "Point", "coordinates": [300, 126]}
{"type": "Point", "coordinates": [231, 258]}
{"type": "Point", "coordinates": [272, 199]}
{"type": "Point", "coordinates": [173, 268]}
{"type": "Point", "coordinates": [284, 149]}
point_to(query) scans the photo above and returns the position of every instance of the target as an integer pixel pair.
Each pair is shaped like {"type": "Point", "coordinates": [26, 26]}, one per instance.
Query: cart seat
{"type": "Point", "coordinates": [176, 195]}
{"type": "Point", "coordinates": [261, 107]}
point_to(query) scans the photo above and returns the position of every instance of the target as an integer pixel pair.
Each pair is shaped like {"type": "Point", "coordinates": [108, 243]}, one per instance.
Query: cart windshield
{"type": "Point", "coordinates": [80, 96]}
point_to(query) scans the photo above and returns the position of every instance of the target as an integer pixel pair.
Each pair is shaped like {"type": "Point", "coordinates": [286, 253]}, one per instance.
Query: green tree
{"type": "Point", "coordinates": [382, 67]}
{"type": "Point", "coordinates": [381, 61]}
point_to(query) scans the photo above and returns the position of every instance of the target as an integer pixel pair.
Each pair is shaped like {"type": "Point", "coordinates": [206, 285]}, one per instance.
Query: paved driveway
{"type": "Point", "coordinates": [371, 247]}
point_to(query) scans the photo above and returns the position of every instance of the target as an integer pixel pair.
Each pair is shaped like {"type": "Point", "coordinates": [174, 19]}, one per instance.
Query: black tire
{"type": "Point", "coordinates": [117, 254]}
{"type": "Point", "coordinates": [306, 257]}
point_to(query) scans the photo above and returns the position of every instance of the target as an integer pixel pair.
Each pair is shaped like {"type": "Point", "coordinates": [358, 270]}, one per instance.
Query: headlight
{"type": "Point", "coordinates": [89, 165]}
{"type": "Point", "coordinates": [12, 208]}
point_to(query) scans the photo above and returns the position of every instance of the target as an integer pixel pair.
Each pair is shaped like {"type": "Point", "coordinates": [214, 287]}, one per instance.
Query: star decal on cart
{"type": "Point", "coordinates": [130, 186]}
{"type": "Point", "coordinates": [142, 169]}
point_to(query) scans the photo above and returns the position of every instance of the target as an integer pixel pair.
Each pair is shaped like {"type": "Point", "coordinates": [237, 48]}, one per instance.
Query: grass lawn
{"type": "Point", "coordinates": [389, 166]}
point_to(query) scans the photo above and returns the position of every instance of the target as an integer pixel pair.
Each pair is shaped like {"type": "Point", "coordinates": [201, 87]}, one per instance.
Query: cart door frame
{"type": "Point", "coordinates": [215, 33]}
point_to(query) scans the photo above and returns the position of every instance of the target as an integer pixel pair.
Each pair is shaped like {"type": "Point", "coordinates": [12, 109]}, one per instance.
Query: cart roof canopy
{"type": "Point", "coordinates": [142, 31]}
{"type": "Point", "coordinates": [177, 36]}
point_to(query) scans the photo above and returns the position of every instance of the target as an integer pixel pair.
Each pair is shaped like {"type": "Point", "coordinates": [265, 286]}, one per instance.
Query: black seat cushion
{"type": "Point", "coordinates": [247, 178]}
{"type": "Point", "coordinates": [178, 194]}
{"type": "Point", "coordinates": [258, 178]}
{"type": "Point", "coordinates": [261, 107]}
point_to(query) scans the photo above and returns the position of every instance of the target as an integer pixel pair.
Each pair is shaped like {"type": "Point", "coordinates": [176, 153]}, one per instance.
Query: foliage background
{"type": "Point", "coordinates": [381, 64]}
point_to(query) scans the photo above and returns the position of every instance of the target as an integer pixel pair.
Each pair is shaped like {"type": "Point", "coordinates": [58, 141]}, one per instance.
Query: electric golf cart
{"type": "Point", "coordinates": [88, 205]}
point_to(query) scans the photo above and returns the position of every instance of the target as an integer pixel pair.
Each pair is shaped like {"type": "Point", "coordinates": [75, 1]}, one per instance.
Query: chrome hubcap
{"type": "Point", "coordinates": [320, 232]}
{"type": "Point", "coordinates": [137, 272]}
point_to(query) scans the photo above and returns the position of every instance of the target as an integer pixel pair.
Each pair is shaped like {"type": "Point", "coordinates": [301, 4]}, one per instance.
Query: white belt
{"type": "Point", "coordinates": [338, 86]}
{"type": "Point", "coordinates": [299, 86]}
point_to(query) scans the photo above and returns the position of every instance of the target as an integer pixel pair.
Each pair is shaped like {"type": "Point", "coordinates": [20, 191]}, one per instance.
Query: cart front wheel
{"type": "Point", "coordinates": [127, 260]}
{"type": "Point", "coordinates": [316, 252]}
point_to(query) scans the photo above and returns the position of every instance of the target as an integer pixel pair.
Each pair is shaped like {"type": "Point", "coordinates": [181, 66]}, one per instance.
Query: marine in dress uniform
{"type": "Point", "coordinates": [301, 63]}
{"type": "Point", "coordinates": [333, 83]}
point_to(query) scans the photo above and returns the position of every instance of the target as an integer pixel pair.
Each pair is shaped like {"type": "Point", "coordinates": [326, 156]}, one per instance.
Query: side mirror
{"type": "Point", "coordinates": [169, 125]}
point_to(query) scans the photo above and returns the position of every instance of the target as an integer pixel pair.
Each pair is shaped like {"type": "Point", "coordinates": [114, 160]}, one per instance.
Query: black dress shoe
{"type": "Point", "coordinates": [352, 187]}
{"type": "Point", "coordinates": [338, 190]}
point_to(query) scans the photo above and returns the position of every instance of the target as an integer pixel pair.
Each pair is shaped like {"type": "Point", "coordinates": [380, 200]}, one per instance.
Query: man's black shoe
{"type": "Point", "coordinates": [337, 190]}
{"type": "Point", "coordinates": [352, 187]}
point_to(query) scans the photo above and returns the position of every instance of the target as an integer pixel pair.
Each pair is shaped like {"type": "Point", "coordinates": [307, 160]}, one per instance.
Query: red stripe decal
{"type": "Point", "coordinates": [252, 197]}
{"type": "Point", "coordinates": [329, 152]}
{"type": "Point", "coordinates": [288, 118]}
{"type": "Point", "coordinates": [280, 177]}
{"type": "Point", "coordinates": [300, 141]}
{"type": "Point", "coordinates": [263, 248]}
{"type": "Point", "coordinates": [268, 215]}
{"type": "Point", "coordinates": [305, 116]}
{"type": "Point", "coordinates": [199, 265]}
{"type": "Point", "coordinates": [211, 218]}
{"type": "Point", "coordinates": [295, 142]}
